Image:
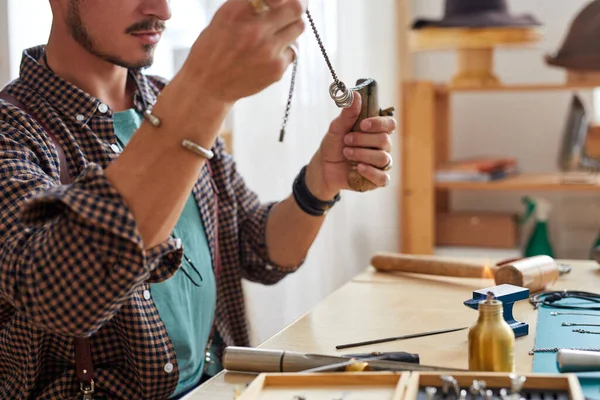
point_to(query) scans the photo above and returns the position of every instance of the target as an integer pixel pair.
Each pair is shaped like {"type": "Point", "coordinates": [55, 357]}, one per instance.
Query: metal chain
{"type": "Point", "coordinates": [584, 331]}
{"type": "Point", "coordinates": [555, 313]}
{"type": "Point", "coordinates": [556, 349]}
{"type": "Point", "coordinates": [338, 91]}
{"type": "Point", "coordinates": [574, 324]}
{"type": "Point", "coordinates": [320, 42]}
{"type": "Point", "coordinates": [289, 101]}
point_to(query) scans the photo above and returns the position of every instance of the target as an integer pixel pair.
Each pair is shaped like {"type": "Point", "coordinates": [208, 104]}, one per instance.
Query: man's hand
{"type": "Point", "coordinates": [328, 171]}
{"type": "Point", "coordinates": [240, 52]}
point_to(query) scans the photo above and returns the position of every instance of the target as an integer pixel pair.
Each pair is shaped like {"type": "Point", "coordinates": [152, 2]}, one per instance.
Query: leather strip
{"type": "Point", "coordinates": [65, 177]}
{"type": "Point", "coordinates": [83, 355]}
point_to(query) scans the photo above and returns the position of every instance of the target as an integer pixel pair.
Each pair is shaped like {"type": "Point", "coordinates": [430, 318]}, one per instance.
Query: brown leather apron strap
{"type": "Point", "coordinates": [84, 367]}
{"type": "Point", "coordinates": [83, 355]}
{"type": "Point", "coordinates": [65, 177]}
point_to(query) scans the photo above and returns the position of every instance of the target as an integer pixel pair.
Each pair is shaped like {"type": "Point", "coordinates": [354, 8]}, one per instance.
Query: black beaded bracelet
{"type": "Point", "coordinates": [307, 201]}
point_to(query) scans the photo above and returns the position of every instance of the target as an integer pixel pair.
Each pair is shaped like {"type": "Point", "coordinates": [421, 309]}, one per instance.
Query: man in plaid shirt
{"type": "Point", "coordinates": [141, 242]}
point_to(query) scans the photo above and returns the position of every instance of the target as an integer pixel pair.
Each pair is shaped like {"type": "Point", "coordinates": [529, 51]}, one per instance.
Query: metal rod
{"type": "Point", "coordinates": [391, 339]}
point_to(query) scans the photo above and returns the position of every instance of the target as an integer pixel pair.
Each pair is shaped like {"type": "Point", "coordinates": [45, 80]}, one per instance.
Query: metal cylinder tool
{"type": "Point", "coordinates": [577, 361]}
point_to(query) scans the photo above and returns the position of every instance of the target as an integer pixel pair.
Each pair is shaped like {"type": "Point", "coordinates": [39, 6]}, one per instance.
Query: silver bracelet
{"type": "Point", "coordinates": [153, 119]}
{"type": "Point", "coordinates": [193, 147]}
{"type": "Point", "coordinates": [196, 149]}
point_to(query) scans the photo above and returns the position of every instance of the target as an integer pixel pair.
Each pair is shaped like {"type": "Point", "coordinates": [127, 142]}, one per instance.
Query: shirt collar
{"type": "Point", "coordinates": [71, 101]}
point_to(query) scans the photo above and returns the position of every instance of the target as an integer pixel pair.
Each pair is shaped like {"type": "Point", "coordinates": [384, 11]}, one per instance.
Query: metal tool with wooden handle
{"type": "Point", "coordinates": [367, 88]}
{"type": "Point", "coordinates": [534, 273]}
{"type": "Point", "coordinates": [247, 359]}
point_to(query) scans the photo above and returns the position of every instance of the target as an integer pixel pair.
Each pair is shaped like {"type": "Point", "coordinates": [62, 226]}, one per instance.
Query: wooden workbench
{"type": "Point", "coordinates": [375, 305]}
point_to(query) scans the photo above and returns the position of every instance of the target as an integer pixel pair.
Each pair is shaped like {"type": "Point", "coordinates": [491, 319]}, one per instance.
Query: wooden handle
{"type": "Point", "coordinates": [393, 262]}
{"type": "Point", "coordinates": [370, 108]}
{"type": "Point", "coordinates": [535, 273]}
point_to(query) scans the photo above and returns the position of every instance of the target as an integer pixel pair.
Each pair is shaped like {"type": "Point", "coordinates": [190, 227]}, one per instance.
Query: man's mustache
{"type": "Point", "coordinates": [147, 25]}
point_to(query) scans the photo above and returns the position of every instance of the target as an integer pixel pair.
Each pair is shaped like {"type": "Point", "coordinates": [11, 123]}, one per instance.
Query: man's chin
{"type": "Point", "coordinates": [141, 62]}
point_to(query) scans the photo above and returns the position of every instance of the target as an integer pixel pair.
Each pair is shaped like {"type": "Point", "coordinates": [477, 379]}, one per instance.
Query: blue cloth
{"type": "Point", "coordinates": [550, 333]}
{"type": "Point", "coordinates": [186, 310]}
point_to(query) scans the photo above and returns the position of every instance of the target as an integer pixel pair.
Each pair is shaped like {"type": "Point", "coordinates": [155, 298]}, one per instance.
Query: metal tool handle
{"type": "Point", "coordinates": [578, 361]}
{"type": "Point", "coordinates": [370, 108]}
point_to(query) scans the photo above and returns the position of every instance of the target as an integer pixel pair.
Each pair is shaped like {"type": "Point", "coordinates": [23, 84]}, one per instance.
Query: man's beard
{"type": "Point", "coordinates": [82, 36]}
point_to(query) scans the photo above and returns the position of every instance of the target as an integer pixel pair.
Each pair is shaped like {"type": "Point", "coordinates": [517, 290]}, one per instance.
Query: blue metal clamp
{"type": "Point", "coordinates": [508, 295]}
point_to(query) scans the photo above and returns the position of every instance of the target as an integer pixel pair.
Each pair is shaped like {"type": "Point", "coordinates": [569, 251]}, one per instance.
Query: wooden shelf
{"type": "Point", "coordinates": [444, 88]}
{"type": "Point", "coordinates": [426, 143]}
{"type": "Point", "coordinates": [427, 39]}
{"type": "Point", "coordinates": [534, 182]}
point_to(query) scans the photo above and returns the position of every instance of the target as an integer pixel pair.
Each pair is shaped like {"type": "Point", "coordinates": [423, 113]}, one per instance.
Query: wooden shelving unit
{"type": "Point", "coordinates": [529, 182]}
{"type": "Point", "coordinates": [426, 115]}
{"type": "Point", "coordinates": [548, 87]}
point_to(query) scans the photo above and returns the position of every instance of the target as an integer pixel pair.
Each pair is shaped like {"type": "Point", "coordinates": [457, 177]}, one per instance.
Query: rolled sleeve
{"type": "Point", "coordinates": [95, 205]}
{"type": "Point", "coordinates": [70, 255]}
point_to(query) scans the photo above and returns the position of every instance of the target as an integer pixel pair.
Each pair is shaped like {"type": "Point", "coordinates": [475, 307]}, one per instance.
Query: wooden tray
{"type": "Point", "coordinates": [327, 386]}
{"type": "Point", "coordinates": [401, 386]}
{"type": "Point", "coordinates": [556, 386]}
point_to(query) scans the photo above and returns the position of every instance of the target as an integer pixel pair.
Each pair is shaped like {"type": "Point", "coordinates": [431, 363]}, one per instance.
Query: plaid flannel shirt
{"type": "Point", "coordinates": [72, 262]}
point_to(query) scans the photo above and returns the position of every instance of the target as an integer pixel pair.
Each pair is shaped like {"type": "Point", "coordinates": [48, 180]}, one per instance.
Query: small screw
{"type": "Point", "coordinates": [431, 391]}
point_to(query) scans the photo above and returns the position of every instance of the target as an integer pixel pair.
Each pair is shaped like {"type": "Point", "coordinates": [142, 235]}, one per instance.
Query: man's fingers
{"type": "Point", "coordinates": [376, 158]}
{"type": "Point", "coordinates": [375, 175]}
{"type": "Point", "coordinates": [378, 124]}
{"type": "Point", "coordinates": [347, 118]}
{"type": "Point", "coordinates": [381, 140]}
{"type": "Point", "coordinates": [289, 34]}
{"type": "Point", "coordinates": [290, 12]}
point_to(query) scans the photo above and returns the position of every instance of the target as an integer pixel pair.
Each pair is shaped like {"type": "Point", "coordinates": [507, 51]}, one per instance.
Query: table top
{"type": "Point", "coordinates": [375, 305]}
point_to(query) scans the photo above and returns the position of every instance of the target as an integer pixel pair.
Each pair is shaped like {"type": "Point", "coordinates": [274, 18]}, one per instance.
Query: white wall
{"type": "Point", "coordinates": [362, 223]}
{"type": "Point", "coordinates": [4, 49]}
{"type": "Point", "coordinates": [525, 125]}
{"type": "Point", "coordinates": [26, 31]}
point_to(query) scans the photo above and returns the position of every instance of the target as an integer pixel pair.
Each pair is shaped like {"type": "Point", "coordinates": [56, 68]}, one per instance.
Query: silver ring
{"type": "Point", "coordinates": [294, 48]}
{"type": "Point", "coordinates": [390, 163]}
{"type": "Point", "coordinates": [343, 98]}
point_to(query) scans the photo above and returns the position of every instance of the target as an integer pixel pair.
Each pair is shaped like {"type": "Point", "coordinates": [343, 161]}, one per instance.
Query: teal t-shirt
{"type": "Point", "coordinates": [186, 309]}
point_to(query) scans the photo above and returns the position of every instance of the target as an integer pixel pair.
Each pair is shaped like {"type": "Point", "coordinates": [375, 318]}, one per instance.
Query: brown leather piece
{"type": "Point", "coordinates": [84, 367]}
{"type": "Point", "coordinates": [83, 354]}
{"type": "Point", "coordinates": [65, 177]}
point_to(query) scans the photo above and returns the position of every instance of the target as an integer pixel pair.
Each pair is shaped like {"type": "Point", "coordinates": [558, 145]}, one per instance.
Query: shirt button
{"type": "Point", "coordinates": [103, 108]}
{"type": "Point", "coordinates": [168, 368]}
{"type": "Point", "coordinates": [147, 294]}
{"type": "Point", "coordinates": [80, 118]}
{"type": "Point", "coordinates": [115, 148]}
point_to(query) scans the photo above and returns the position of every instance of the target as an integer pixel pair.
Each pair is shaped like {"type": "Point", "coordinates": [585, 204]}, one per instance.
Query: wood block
{"type": "Point", "coordinates": [475, 69]}
{"type": "Point", "coordinates": [473, 38]}
{"type": "Point", "coordinates": [477, 229]}
{"type": "Point", "coordinates": [583, 77]}
{"type": "Point", "coordinates": [592, 144]}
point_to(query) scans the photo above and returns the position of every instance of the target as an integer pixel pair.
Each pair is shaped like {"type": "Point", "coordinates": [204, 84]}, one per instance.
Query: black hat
{"type": "Point", "coordinates": [477, 14]}
{"type": "Point", "coordinates": [581, 47]}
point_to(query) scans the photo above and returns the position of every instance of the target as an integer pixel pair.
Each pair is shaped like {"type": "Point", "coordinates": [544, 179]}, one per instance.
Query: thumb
{"type": "Point", "coordinates": [347, 118]}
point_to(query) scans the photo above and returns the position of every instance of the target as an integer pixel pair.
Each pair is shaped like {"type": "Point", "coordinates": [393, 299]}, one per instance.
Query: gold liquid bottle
{"type": "Point", "coordinates": [491, 340]}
